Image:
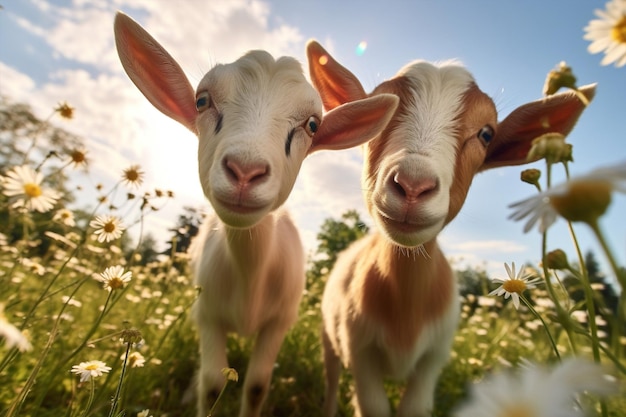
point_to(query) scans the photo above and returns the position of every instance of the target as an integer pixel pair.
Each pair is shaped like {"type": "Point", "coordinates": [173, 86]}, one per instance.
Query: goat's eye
{"type": "Point", "coordinates": [311, 125]}
{"type": "Point", "coordinates": [485, 134]}
{"type": "Point", "coordinates": [203, 101]}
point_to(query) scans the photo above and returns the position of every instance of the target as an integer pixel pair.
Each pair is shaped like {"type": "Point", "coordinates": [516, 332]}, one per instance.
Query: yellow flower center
{"type": "Point", "coordinates": [514, 285]}
{"type": "Point", "coordinates": [585, 201]}
{"type": "Point", "coordinates": [618, 32]}
{"type": "Point", "coordinates": [91, 367]}
{"type": "Point", "coordinates": [115, 283]}
{"type": "Point", "coordinates": [131, 175]}
{"type": "Point", "coordinates": [32, 190]}
{"type": "Point", "coordinates": [78, 157]}
{"type": "Point", "coordinates": [109, 227]}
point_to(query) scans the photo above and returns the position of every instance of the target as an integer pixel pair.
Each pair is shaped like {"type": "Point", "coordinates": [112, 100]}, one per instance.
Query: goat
{"type": "Point", "coordinates": [256, 120]}
{"type": "Point", "coordinates": [390, 306]}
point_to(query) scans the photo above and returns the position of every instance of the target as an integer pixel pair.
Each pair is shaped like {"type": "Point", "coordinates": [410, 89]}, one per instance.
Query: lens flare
{"type": "Point", "coordinates": [323, 60]}
{"type": "Point", "coordinates": [361, 47]}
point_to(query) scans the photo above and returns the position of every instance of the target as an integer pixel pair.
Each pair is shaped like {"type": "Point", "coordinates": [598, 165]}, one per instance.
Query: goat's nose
{"type": "Point", "coordinates": [413, 188]}
{"type": "Point", "coordinates": [245, 173]}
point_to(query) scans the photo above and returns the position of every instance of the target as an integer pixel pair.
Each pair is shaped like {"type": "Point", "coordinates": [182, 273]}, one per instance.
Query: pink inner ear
{"type": "Point", "coordinates": [335, 83]}
{"type": "Point", "coordinates": [155, 73]}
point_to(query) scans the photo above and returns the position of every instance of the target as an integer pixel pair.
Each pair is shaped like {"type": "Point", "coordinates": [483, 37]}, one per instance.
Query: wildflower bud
{"type": "Point", "coordinates": [132, 336]}
{"type": "Point", "coordinates": [230, 374]}
{"type": "Point", "coordinates": [560, 77]}
{"type": "Point", "coordinates": [584, 201]}
{"type": "Point", "coordinates": [531, 176]}
{"type": "Point", "coordinates": [557, 259]}
{"type": "Point", "coordinates": [65, 110]}
{"type": "Point", "coordinates": [552, 147]}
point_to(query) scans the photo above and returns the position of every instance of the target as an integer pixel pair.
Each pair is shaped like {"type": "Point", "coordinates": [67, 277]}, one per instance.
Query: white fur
{"type": "Point", "coordinates": [256, 120]}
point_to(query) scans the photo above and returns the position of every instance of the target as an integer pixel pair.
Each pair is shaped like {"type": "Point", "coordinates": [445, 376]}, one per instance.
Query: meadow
{"type": "Point", "coordinates": [90, 327]}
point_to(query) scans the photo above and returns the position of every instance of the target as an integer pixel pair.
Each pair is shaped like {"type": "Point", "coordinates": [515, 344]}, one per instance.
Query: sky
{"type": "Point", "coordinates": [55, 51]}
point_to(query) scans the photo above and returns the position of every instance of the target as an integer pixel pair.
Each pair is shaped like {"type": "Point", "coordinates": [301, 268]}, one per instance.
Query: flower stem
{"type": "Point", "coordinates": [545, 325]}
{"type": "Point", "coordinates": [91, 397]}
{"type": "Point", "coordinates": [116, 398]}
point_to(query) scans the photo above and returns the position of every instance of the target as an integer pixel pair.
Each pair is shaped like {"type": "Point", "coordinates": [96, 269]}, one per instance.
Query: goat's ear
{"type": "Point", "coordinates": [554, 114]}
{"type": "Point", "coordinates": [157, 75]}
{"type": "Point", "coordinates": [354, 123]}
{"type": "Point", "coordinates": [335, 83]}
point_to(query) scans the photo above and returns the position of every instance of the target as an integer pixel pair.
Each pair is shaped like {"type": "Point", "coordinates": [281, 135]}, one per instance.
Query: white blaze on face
{"type": "Point", "coordinates": [410, 167]}
{"type": "Point", "coordinates": [253, 127]}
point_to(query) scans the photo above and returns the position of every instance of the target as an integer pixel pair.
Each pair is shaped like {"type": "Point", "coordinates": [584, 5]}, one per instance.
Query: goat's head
{"type": "Point", "coordinates": [417, 172]}
{"type": "Point", "coordinates": [256, 120]}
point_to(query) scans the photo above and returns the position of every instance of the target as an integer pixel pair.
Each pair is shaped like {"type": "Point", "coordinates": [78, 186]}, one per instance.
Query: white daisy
{"type": "Point", "coordinates": [581, 199]}
{"type": "Point", "coordinates": [64, 216]}
{"type": "Point", "coordinates": [608, 33]}
{"type": "Point", "coordinates": [537, 392]}
{"type": "Point", "coordinates": [514, 285]}
{"type": "Point", "coordinates": [114, 278]}
{"type": "Point", "coordinates": [90, 369]}
{"type": "Point", "coordinates": [133, 175]}
{"type": "Point", "coordinates": [12, 335]}
{"type": "Point", "coordinates": [24, 184]}
{"type": "Point", "coordinates": [135, 360]}
{"type": "Point", "coordinates": [107, 227]}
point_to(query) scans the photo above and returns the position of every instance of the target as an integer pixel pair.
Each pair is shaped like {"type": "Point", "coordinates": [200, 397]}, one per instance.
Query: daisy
{"type": "Point", "coordinates": [135, 360]}
{"type": "Point", "coordinates": [537, 392]}
{"type": "Point", "coordinates": [144, 413]}
{"type": "Point", "coordinates": [585, 199]}
{"type": "Point", "coordinates": [608, 33]}
{"type": "Point", "coordinates": [90, 369]}
{"type": "Point", "coordinates": [114, 278]}
{"type": "Point", "coordinates": [24, 183]}
{"type": "Point", "coordinates": [107, 227]}
{"type": "Point", "coordinates": [514, 285]}
{"type": "Point", "coordinates": [78, 157]}
{"type": "Point", "coordinates": [64, 216]}
{"type": "Point", "coordinates": [133, 175]}
{"type": "Point", "coordinates": [12, 335]}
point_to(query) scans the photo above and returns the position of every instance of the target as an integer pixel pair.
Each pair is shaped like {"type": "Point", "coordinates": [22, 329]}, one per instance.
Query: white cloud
{"type": "Point", "coordinates": [499, 246]}
{"type": "Point", "coordinates": [118, 124]}
{"type": "Point", "coordinates": [16, 85]}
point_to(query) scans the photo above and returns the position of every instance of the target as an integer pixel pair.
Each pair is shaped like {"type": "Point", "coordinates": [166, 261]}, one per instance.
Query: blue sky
{"type": "Point", "coordinates": [53, 51]}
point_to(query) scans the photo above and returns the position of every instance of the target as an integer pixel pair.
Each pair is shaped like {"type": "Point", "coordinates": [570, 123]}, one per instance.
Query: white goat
{"type": "Point", "coordinates": [390, 307]}
{"type": "Point", "coordinates": [256, 120]}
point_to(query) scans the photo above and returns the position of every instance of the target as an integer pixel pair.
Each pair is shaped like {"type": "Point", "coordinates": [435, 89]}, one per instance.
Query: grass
{"type": "Point", "coordinates": [57, 313]}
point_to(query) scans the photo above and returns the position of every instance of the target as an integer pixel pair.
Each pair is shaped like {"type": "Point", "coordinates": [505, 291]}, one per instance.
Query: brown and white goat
{"type": "Point", "coordinates": [390, 307]}
{"type": "Point", "coordinates": [256, 120]}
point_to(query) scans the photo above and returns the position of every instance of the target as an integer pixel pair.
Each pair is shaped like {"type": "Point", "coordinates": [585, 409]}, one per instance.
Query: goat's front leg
{"type": "Point", "coordinates": [418, 397]}
{"type": "Point", "coordinates": [371, 398]}
{"type": "Point", "coordinates": [332, 371]}
{"type": "Point", "coordinates": [260, 368]}
{"type": "Point", "coordinates": [212, 361]}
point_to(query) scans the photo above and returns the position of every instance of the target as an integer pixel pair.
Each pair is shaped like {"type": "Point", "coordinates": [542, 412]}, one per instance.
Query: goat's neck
{"type": "Point", "coordinates": [402, 264]}
{"type": "Point", "coordinates": [251, 249]}
{"type": "Point", "coordinates": [405, 290]}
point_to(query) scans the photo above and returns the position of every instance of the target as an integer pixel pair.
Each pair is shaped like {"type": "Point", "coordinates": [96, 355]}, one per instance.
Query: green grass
{"type": "Point", "coordinates": [156, 302]}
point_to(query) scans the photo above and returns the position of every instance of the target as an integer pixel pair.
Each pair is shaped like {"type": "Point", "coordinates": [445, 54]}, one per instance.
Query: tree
{"type": "Point", "coordinates": [26, 139]}
{"type": "Point", "coordinates": [186, 228]}
{"type": "Point", "coordinates": [334, 236]}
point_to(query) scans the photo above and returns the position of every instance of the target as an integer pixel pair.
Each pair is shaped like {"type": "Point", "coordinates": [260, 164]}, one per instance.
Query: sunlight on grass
{"type": "Point", "coordinates": [88, 327]}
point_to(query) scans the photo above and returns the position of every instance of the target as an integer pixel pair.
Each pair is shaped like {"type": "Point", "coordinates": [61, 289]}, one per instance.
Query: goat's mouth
{"type": "Point", "coordinates": [240, 207]}
{"type": "Point", "coordinates": [408, 232]}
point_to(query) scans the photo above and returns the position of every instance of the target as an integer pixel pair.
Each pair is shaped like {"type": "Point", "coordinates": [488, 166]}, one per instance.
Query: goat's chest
{"type": "Point", "coordinates": [401, 308]}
